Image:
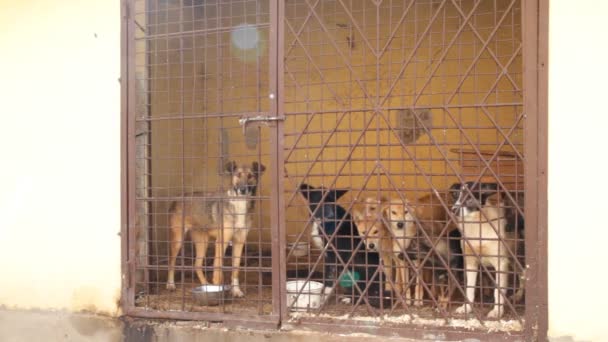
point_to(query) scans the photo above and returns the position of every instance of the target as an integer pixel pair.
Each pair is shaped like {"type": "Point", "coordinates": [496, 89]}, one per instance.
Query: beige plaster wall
{"type": "Point", "coordinates": [60, 138]}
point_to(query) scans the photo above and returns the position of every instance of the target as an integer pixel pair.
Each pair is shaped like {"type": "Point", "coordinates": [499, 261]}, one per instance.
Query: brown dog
{"type": "Point", "coordinates": [377, 237]}
{"type": "Point", "coordinates": [419, 231]}
{"type": "Point", "coordinates": [402, 229]}
{"type": "Point", "coordinates": [225, 218]}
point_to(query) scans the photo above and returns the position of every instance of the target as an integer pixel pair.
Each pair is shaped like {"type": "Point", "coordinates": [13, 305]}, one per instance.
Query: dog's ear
{"type": "Point", "coordinates": [337, 193]}
{"type": "Point", "coordinates": [495, 200]}
{"type": "Point", "coordinates": [307, 190]}
{"type": "Point", "coordinates": [372, 205]}
{"type": "Point", "coordinates": [230, 166]}
{"type": "Point", "coordinates": [455, 187]}
{"type": "Point", "coordinates": [357, 215]}
{"type": "Point", "coordinates": [306, 187]}
{"type": "Point", "coordinates": [454, 191]}
{"type": "Point", "coordinates": [258, 168]}
{"type": "Point", "coordinates": [385, 210]}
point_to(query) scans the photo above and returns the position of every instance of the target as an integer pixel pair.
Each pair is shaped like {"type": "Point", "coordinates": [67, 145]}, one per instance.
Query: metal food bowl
{"type": "Point", "coordinates": [209, 295]}
{"type": "Point", "coordinates": [298, 249]}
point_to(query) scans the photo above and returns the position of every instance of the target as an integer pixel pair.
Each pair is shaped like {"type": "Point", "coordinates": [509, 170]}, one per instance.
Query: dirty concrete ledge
{"type": "Point", "coordinates": [42, 325]}
{"type": "Point", "coordinates": [45, 325]}
{"type": "Point", "coordinates": [138, 330]}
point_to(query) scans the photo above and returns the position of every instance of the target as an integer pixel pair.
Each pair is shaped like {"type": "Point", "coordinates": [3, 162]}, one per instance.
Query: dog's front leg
{"type": "Point", "coordinates": [522, 286]}
{"type": "Point", "coordinates": [401, 280]}
{"type": "Point", "coordinates": [388, 271]}
{"type": "Point", "coordinates": [330, 275]}
{"type": "Point", "coordinates": [176, 245]}
{"type": "Point", "coordinates": [471, 263]}
{"type": "Point", "coordinates": [221, 243]}
{"type": "Point", "coordinates": [502, 267]}
{"type": "Point", "coordinates": [418, 289]}
{"type": "Point", "coordinates": [237, 252]}
{"type": "Point", "coordinates": [201, 241]}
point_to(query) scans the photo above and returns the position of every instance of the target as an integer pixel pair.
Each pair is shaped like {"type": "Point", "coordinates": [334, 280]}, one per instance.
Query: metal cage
{"type": "Point", "coordinates": [372, 166]}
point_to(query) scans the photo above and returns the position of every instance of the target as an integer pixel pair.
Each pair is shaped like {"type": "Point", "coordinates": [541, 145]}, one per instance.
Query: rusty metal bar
{"type": "Point", "coordinates": [535, 54]}
{"type": "Point", "coordinates": [125, 299]}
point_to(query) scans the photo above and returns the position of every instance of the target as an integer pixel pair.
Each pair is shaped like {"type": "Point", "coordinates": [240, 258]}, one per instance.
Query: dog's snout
{"type": "Point", "coordinates": [242, 189]}
{"type": "Point", "coordinates": [400, 225]}
{"type": "Point", "coordinates": [401, 256]}
{"type": "Point", "coordinates": [371, 245]}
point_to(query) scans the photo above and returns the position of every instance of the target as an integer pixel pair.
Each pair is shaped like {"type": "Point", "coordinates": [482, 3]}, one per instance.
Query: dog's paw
{"type": "Point", "coordinates": [496, 312]}
{"type": "Point", "coordinates": [171, 286]}
{"type": "Point", "coordinates": [442, 303]}
{"type": "Point", "coordinates": [346, 300]}
{"type": "Point", "coordinates": [518, 296]}
{"type": "Point", "coordinates": [466, 308]}
{"type": "Point", "coordinates": [417, 302]}
{"type": "Point", "coordinates": [236, 292]}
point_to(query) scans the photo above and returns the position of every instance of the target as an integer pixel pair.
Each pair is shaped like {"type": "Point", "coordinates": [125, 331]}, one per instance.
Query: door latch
{"type": "Point", "coordinates": [260, 118]}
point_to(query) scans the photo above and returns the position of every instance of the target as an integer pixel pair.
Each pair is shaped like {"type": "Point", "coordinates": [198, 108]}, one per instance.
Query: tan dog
{"type": "Point", "coordinates": [402, 229]}
{"type": "Point", "coordinates": [375, 234]}
{"type": "Point", "coordinates": [225, 218]}
{"type": "Point", "coordinates": [407, 221]}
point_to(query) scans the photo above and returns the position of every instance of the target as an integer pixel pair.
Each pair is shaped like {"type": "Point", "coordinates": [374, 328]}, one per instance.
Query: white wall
{"type": "Point", "coordinates": [578, 123]}
{"type": "Point", "coordinates": [60, 143]}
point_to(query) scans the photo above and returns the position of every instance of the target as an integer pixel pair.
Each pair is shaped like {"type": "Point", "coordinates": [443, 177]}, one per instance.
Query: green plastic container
{"type": "Point", "coordinates": [349, 278]}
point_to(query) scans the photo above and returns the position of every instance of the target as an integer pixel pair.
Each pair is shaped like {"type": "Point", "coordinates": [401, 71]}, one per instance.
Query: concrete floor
{"type": "Point", "coordinates": [22, 325]}
{"type": "Point", "coordinates": [36, 325]}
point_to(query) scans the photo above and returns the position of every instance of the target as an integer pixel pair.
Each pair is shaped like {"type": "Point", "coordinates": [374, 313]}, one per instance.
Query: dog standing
{"type": "Point", "coordinates": [402, 230]}
{"type": "Point", "coordinates": [335, 229]}
{"type": "Point", "coordinates": [440, 241]}
{"type": "Point", "coordinates": [227, 219]}
{"type": "Point", "coordinates": [488, 233]}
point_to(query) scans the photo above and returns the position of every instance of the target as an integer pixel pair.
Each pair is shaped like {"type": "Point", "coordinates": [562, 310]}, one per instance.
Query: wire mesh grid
{"type": "Point", "coordinates": [404, 160]}
{"type": "Point", "coordinates": [202, 189]}
{"type": "Point", "coordinates": [402, 154]}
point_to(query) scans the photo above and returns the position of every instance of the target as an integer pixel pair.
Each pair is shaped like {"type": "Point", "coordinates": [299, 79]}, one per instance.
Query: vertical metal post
{"type": "Point", "coordinates": [276, 109]}
{"type": "Point", "coordinates": [535, 53]}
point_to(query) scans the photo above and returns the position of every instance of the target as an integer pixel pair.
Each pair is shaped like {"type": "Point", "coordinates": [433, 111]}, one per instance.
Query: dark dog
{"type": "Point", "coordinates": [434, 272]}
{"type": "Point", "coordinates": [338, 232]}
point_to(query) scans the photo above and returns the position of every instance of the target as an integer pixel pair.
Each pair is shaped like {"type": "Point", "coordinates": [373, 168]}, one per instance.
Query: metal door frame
{"type": "Point", "coordinates": [128, 187]}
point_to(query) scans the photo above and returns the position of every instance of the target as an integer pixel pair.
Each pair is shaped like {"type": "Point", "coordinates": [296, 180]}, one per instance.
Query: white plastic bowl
{"type": "Point", "coordinates": [310, 297]}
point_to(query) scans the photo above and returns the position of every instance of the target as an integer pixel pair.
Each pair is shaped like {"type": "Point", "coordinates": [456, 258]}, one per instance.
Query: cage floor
{"type": "Point", "coordinates": [258, 301]}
